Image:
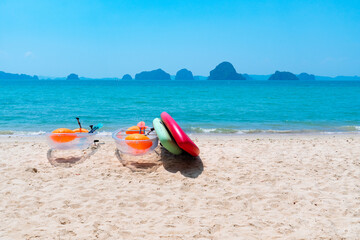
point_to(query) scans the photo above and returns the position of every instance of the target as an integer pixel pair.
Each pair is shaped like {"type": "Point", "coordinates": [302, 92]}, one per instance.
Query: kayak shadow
{"type": "Point", "coordinates": [69, 158]}
{"type": "Point", "coordinates": [143, 163]}
{"type": "Point", "coordinates": [187, 165]}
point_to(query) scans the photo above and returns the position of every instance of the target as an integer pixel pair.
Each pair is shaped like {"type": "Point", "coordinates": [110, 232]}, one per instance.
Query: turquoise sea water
{"type": "Point", "coordinates": [33, 107]}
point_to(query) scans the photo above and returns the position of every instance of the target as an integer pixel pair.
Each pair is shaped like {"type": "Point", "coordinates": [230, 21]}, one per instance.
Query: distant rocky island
{"type": "Point", "coordinates": [127, 77]}
{"type": "Point", "coordinates": [247, 76]}
{"type": "Point", "coordinates": [72, 76]}
{"type": "Point", "coordinates": [157, 74]}
{"type": "Point", "coordinates": [13, 76]}
{"type": "Point", "coordinates": [184, 74]}
{"type": "Point", "coordinates": [283, 76]}
{"type": "Point", "coordinates": [306, 76]}
{"type": "Point", "coordinates": [225, 71]}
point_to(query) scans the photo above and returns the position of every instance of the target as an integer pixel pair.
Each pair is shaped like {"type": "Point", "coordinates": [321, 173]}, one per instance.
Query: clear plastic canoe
{"type": "Point", "coordinates": [135, 147]}
{"type": "Point", "coordinates": [66, 141]}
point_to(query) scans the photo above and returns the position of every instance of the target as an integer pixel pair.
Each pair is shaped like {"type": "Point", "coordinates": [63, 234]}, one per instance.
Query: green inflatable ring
{"type": "Point", "coordinates": [165, 137]}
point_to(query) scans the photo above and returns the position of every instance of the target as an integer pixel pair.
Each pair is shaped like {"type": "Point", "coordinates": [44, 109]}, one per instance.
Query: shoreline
{"type": "Point", "coordinates": [209, 134]}
{"type": "Point", "coordinates": [201, 137]}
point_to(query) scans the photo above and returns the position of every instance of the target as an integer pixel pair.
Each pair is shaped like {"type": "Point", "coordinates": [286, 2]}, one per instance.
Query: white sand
{"type": "Point", "coordinates": [244, 187]}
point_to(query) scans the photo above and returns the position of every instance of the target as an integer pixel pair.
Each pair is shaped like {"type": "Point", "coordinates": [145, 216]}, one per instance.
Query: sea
{"type": "Point", "coordinates": [208, 107]}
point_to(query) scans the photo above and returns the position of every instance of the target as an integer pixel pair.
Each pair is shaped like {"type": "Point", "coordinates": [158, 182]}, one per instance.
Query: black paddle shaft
{"type": "Point", "coordinates": [78, 120]}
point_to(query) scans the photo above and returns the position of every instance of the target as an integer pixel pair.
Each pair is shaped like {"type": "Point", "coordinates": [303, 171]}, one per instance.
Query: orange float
{"type": "Point", "coordinates": [138, 141]}
{"type": "Point", "coordinates": [133, 130]}
{"type": "Point", "coordinates": [80, 130]}
{"type": "Point", "coordinates": [63, 135]}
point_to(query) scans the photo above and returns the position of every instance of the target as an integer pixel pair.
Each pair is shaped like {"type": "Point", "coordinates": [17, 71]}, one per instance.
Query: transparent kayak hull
{"type": "Point", "coordinates": [135, 147]}
{"type": "Point", "coordinates": [67, 141]}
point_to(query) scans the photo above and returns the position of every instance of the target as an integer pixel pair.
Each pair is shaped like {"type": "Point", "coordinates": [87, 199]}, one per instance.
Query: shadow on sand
{"type": "Point", "coordinates": [187, 165]}
{"type": "Point", "coordinates": [69, 158]}
{"type": "Point", "coordinates": [141, 163]}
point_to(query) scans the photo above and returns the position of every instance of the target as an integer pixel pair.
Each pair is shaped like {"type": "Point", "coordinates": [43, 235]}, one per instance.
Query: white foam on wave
{"type": "Point", "coordinates": [21, 133]}
{"type": "Point", "coordinates": [337, 130]}
{"type": "Point", "coordinates": [351, 128]}
{"type": "Point", "coordinates": [254, 131]}
{"type": "Point", "coordinates": [103, 133]}
{"type": "Point", "coordinates": [209, 130]}
{"type": "Point", "coordinates": [344, 129]}
{"type": "Point", "coordinates": [39, 133]}
{"type": "Point", "coordinates": [215, 130]}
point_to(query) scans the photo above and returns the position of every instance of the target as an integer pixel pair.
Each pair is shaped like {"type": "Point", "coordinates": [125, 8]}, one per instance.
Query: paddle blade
{"type": "Point", "coordinates": [96, 127]}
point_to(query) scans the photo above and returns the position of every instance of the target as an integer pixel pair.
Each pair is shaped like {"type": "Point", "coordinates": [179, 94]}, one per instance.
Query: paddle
{"type": "Point", "coordinates": [78, 120]}
{"type": "Point", "coordinates": [151, 129]}
{"type": "Point", "coordinates": [96, 127]}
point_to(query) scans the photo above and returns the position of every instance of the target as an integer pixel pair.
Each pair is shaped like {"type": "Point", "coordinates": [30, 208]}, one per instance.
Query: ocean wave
{"type": "Point", "coordinates": [38, 133]}
{"type": "Point", "coordinates": [245, 131]}
{"type": "Point", "coordinates": [199, 130]}
{"type": "Point", "coordinates": [350, 128]}
{"type": "Point", "coordinates": [6, 132]}
{"type": "Point", "coordinates": [279, 131]}
{"type": "Point", "coordinates": [214, 130]}
{"type": "Point", "coordinates": [21, 133]}
{"type": "Point", "coordinates": [267, 131]}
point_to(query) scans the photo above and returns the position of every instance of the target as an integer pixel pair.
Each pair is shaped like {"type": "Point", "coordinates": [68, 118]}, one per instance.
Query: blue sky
{"type": "Point", "coordinates": [96, 38]}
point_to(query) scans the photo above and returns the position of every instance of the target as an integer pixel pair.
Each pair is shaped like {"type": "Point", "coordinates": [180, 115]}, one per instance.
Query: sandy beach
{"type": "Point", "coordinates": [241, 187]}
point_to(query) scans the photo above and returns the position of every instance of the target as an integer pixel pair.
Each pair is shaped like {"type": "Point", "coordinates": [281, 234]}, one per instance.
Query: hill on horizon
{"type": "Point", "coordinates": [256, 77]}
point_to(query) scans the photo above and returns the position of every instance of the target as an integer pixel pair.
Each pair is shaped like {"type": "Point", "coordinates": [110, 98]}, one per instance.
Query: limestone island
{"type": "Point", "coordinates": [127, 77]}
{"type": "Point", "coordinates": [225, 71]}
{"type": "Point", "coordinates": [13, 76]}
{"type": "Point", "coordinates": [72, 76]}
{"type": "Point", "coordinates": [247, 76]}
{"type": "Point", "coordinates": [283, 76]}
{"type": "Point", "coordinates": [157, 74]}
{"type": "Point", "coordinates": [306, 76]}
{"type": "Point", "coordinates": [184, 74]}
